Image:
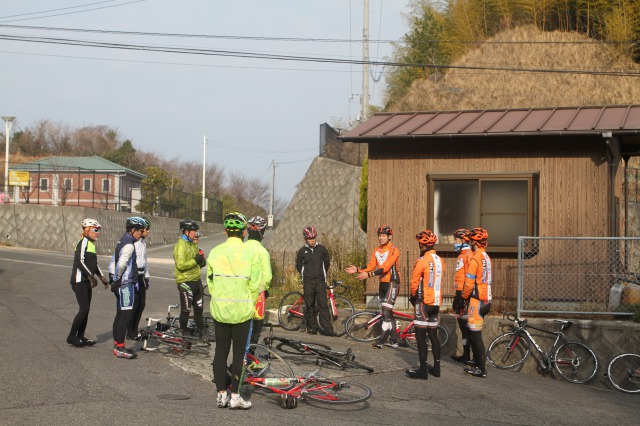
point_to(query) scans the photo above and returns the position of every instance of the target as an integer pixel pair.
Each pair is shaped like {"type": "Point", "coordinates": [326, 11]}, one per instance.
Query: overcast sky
{"type": "Point", "coordinates": [252, 110]}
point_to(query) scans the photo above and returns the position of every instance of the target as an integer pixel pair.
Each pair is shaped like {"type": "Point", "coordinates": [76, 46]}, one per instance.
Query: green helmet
{"type": "Point", "coordinates": [235, 221]}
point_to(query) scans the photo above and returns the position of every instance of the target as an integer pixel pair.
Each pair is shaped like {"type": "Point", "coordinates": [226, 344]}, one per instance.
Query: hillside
{"type": "Point", "coordinates": [458, 89]}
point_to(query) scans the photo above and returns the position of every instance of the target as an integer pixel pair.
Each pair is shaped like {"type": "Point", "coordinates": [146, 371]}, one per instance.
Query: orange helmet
{"type": "Point", "coordinates": [384, 229]}
{"type": "Point", "coordinates": [480, 236]}
{"type": "Point", "coordinates": [462, 233]}
{"type": "Point", "coordinates": [427, 238]}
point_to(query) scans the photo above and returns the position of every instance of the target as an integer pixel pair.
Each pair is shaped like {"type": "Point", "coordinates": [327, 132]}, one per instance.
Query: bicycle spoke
{"type": "Point", "coordinates": [508, 351]}
{"type": "Point", "coordinates": [330, 392]}
{"type": "Point", "coordinates": [624, 373]}
{"type": "Point", "coordinates": [575, 362]}
{"type": "Point", "coordinates": [291, 311]}
{"type": "Point", "coordinates": [364, 326]}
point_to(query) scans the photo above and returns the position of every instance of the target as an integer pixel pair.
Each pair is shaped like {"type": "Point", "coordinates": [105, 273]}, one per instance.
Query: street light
{"type": "Point", "coordinates": [8, 121]}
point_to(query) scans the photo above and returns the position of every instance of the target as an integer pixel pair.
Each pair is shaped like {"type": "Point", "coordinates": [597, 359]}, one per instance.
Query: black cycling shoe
{"type": "Point", "coordinates": [417, 374]}
{"type": "Point", "coordinates": [75, 342]}
{"type": "Point", "coordinates": [312, 332]}
{"type": "Point", "coordinates": [460, 358]}
{"type": "Point", "coordinates": [328, 333]}
{"type": "Point", "coordinates": [87, 342]}
{"type": "Point", "coordinates": [433, 370]}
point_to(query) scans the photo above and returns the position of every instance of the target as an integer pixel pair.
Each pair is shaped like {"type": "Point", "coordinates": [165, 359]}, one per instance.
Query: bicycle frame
{"type": "Point", "coordinates": [291, 386]}
{"type": "Point", "coordinates": [295, 308]}
{"type": "Point", "coordinates": [546, 360]}
{"type": "Point", "coordinates": [402, 334]}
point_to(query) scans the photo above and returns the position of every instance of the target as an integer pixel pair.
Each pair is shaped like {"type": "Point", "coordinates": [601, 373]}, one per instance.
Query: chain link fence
{"type": "Point", "coordinates": [578, 275]}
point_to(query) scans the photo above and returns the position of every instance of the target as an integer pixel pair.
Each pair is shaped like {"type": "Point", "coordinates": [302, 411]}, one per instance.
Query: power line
{"type": "Point", "coordinates": [316, 59]}
{"type": "Point", "coordinates": [66, 8]}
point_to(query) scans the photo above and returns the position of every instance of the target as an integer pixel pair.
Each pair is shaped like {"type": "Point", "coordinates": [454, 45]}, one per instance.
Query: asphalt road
{"type": "Point", "coordinates": [46, 381]}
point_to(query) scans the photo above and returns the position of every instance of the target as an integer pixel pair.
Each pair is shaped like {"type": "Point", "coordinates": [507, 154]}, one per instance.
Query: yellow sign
{"type": "Point", "coordinates": [18, 178]}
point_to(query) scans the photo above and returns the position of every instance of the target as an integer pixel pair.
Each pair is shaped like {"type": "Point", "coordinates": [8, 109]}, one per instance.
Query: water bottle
{"type": "Point", "coordinates": [277, 381]}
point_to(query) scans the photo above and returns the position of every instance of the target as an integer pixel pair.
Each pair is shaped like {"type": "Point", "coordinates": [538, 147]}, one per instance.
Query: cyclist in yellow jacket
{"type": "Point", "coordinates": [426, 296]}
{"type": "Point", "coordinates": [477, 290]}
{"type": "Point", "coordinates": [256, 228]}
{"type": "Point", "coordinates": [233, 277]}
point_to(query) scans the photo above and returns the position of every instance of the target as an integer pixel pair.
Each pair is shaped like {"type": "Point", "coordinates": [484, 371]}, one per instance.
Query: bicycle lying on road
{"type": "Point", "coordinates": [574, 361]}
{"type": "Point", "coordinates": [169, 336]}
{"type": "Point", "coordinates": [291, 309]}
{"type": "Point", "coordinates": [366, 326]}
{"type": "Point", "coordinates": [323, 353]}
{"type": "Point", "coordinates": [624, 373]}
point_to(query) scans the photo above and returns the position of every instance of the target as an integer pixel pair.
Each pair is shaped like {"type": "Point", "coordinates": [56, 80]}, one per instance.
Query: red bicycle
{"type": "Point", "coordinates": [291, 309]}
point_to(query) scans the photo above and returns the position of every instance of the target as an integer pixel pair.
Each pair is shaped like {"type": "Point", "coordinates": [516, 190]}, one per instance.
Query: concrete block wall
{"type": "Point", "coordinates": [58, 228]}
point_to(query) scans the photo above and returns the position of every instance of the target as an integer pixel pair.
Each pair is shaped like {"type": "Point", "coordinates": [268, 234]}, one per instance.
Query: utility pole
{"type": "Point", "coordinates": [273, 186]}
{"type": "Point", "coordinates": [204, 168]}
{"type": "Point", "coordinates": [364, 110]}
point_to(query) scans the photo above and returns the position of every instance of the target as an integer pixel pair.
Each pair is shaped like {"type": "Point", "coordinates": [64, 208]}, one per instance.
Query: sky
{"type": "Point", "coordinates": [252, 110]}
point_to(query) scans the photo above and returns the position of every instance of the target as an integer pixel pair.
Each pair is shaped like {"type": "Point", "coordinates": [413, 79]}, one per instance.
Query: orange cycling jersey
{"type": "Point", "coordinates": [478, 278]}
{"type": "Point", "coordinates": [461, 268]}
{"type": "Point", "coordinates": [384, 263]}
{"type": "Point", "coordinates": [426, 280]}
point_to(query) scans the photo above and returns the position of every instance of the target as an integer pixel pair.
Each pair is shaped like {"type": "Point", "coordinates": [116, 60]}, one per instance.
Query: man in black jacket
{"type": "Point", "coordinates": [312, 262]}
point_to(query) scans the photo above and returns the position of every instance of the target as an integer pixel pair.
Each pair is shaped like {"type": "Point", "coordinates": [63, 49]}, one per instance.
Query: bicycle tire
{"type": "Point", "coordinates": [624, 373]}
{"type": "Point", "coordinates": [293, 349]}
{"type": "Point", "coordinates": [357, 330]}
{"type": "Point", "coordinates": [176, 344]}
{"type": "Point", "coordinates": [355, 364]}
{"type": "Point", "coordinates": [345, 310]}
{"type": "Point", "coordinates": [287, 320]}
{"type": "Point", "coordinates": [332, 392]}
{"type": "Point", "coordinates": [505, 352]}
{"type": "Point", "coordinates": [443, 337]}
{"type": "Point", "coordinates": [575, 362]}
{"type": "Point", "coordinates": [268, 363]}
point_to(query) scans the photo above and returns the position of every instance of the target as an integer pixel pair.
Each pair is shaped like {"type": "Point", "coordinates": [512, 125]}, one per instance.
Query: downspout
{"type": "Point", "coordinates": [626, 210]}
{"type": "Point", "coordinates": [613, 158]}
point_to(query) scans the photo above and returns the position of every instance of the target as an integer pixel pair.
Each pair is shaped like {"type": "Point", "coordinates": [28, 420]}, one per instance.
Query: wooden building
{"type": "Point", "coordinates": [514, 172]}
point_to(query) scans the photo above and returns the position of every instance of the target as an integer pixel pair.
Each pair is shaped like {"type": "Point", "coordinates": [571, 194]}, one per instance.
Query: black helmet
{"type": "Point", "coordinates": [189, 225]}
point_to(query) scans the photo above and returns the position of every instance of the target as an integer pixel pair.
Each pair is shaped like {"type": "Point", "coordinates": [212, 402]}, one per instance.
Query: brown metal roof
{"type": "Point", "coordinates": [619, 120]}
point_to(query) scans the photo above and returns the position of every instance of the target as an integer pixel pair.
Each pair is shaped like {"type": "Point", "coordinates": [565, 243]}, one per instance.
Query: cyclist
{"type": "Point", "coordinates": [125, 278]}
{"type": "Point", "coordinates": [384, 263]}
{"type": "Point", "coordinates": [312, 262]}
{"type": "Point", "coordinates": [426, 296]}
{"type": "Point", "coordinates": [234, 277]}
{"type": "Point", "coordinates": [188, 262]}
{"type": "Point", "coordinates": [85, 266]}
{"type": "Point", "coordinates": [477, 290]}
{"type": "Point", "coordinates": [461, 245]}
{"type": "Point", "coordinates": [256, 229]}
{"type": "Point", "coordinates": [143, 282]}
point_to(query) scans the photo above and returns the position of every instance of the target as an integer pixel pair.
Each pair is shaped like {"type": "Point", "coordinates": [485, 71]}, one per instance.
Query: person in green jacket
{"type": "Point", "coordinates": [233, 276]}
{"type": "Point", "coordinates": [256, 228]}
{"type": "Point", "coordinates": [188, 262]}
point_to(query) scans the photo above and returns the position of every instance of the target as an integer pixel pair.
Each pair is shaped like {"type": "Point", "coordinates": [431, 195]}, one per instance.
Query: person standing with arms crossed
{"type": "Point", "coordinates": [233, 277]}
{"type": "Point", "coordinates": [383, 264]}
{"type": "Point", "coordinates": [426, 296]}
{"type": "Point", "coordinates": [461, 245]}
{"type": "Point", "coordinates": [312, 262]}
{"type": "Point", "coordinates": [477, 290]}
{"type": "Point", "coordinates": [188, 262]}
{"type": "Point", "coordinates": [85, 266]}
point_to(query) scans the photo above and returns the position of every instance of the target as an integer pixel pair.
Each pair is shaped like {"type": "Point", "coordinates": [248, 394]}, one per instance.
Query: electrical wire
{"type": "Point", "coordinates": [66, 13]}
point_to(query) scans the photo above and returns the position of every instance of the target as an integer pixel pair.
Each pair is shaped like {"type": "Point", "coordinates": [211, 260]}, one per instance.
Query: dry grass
{"type": "Point", "coordinates": [482, 89]}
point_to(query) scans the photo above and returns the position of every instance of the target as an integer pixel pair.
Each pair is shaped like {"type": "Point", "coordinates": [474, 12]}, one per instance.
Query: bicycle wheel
{"type": "Point", "coordinates": [508, 351]}
{"type": "Point", "coordinates": [182, 345]}
{"type": "Point", "coordinates": [331, 392]}
{"type": "Point", "coordinates": [345, 309]}
{"type": "Point", "coordinates": [624, 373]}
{"type": "Point", "coordinates": [293, 349]}
{"type": "Point", "coordinates": [291, 311]}
{"type": "Point", "coordinates": [575, 362]}
{"type": "Point", "coordinates": [263, 362]}
{"type": "Point", "coordinates": [443, 335]}
{"type": "Point", "coordinates": [364, 326]}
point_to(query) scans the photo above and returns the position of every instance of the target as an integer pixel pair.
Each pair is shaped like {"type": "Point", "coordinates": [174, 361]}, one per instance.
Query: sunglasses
{"type": "Point", "coordinates": [96, 230]}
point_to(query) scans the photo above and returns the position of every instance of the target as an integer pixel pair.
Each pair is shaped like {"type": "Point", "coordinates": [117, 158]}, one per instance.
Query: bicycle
{"type": "Point", "coordinates": [169, 334]}
{"type": "Point", "coordinates": [366, 326]}
{"type": "Point", "coordinates": [320, 351]}
{"type": "Point", "coordinates": [574, 361]}
{"type": "Point", "coordinates": [310, 387]}
{"type": "Point", "coordinates": [291, 309]}
{"type": "Point", "coordinates": [624, 373]}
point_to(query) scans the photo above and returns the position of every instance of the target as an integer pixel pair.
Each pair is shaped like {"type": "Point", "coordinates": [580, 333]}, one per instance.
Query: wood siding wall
{"type": "Point", "coordinates": [573, 189]}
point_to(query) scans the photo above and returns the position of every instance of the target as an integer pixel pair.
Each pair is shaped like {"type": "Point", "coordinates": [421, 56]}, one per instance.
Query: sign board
{"type": "Point", "coordinates": [270, 220]}
{"type": "Point", "coordinates": [18, 178]}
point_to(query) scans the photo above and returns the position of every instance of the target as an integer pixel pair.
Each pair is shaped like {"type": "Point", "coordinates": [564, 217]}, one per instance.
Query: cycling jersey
{"type": "Point", "coordinates": [313, 263]}
{"type": "Point", "coordinates": [184, 254]}
{"type": "Point", "coordinates": [265, 281]}
{"type": "Point", "coordinates": [384, 263]}
{"type": "Point", "coordinates": [85, 261]}
{"type": "Point", "coordinates": [426, 280]}
{"type": "Point", "coordinates": [478, 277]}
{"type": "Point", "coordinates": [461, 266]}
{"type": "Point", "coordinates": [126, 270]}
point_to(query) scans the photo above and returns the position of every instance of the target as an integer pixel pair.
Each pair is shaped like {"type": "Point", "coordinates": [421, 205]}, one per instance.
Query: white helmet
{"type": "Point", "coordinates": [90, 223]}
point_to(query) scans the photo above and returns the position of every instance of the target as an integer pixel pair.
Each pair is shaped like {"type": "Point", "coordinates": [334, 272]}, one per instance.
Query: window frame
{"type": "Point", "coordinates": [46, 189]}
{"type": "Point", "coordinates": [64, 184]}
{"type": "Point", "coordinates": [84, 185]}
{"type": "Point", "coordinates": [533, 194]}
{"type": "Point", "coordinates": [108, 191]}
